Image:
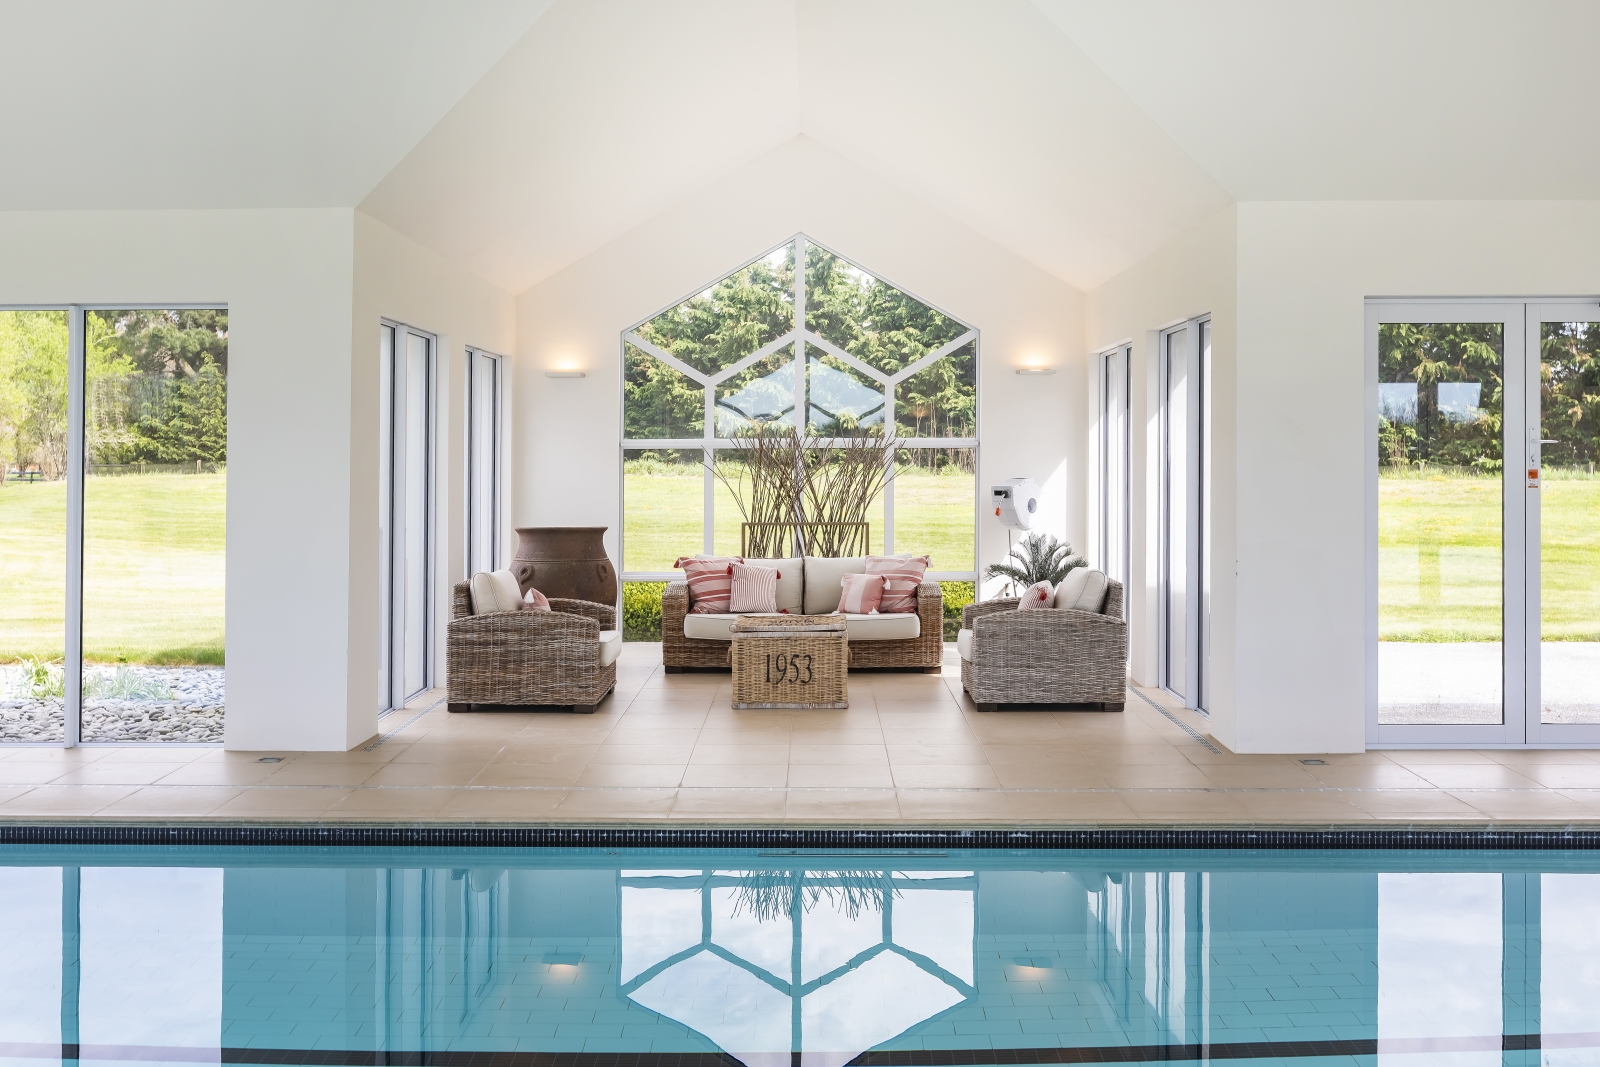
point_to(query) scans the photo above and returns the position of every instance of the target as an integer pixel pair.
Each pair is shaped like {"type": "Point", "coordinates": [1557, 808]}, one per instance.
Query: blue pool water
{"type": "Point", "coordinates": [700, 958]}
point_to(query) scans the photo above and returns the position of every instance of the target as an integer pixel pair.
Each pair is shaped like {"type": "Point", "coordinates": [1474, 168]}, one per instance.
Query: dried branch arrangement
{"type": "Point", "coordinates": [807, 489]}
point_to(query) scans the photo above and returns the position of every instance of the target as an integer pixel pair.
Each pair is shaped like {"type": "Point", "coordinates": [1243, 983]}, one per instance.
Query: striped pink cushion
{"type": "Point", "coordinates": [710, 583]}
{"type": "Point", "coordinates": [754, 589]}
{"type": "Point", "coordinates": [1037, 595]}
{"type": "Point", "coordinates": [901, 597]}
{"type": "Point", "coordinates": [534, 600]}
{"type": "Point", "coordinates": [861, 594]}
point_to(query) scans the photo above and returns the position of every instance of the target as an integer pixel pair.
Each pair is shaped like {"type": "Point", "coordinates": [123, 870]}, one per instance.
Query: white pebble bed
{"type": "Point", "coordinates": [193, 712]}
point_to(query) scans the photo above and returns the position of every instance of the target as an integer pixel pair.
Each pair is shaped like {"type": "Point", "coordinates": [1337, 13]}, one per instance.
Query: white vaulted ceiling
{"type": "Point", "coordinates": [516, 136]}
{"type": "Point", "coordinates": [1362, 99]}
{"type": "Point", "coordinates": [243, 103]}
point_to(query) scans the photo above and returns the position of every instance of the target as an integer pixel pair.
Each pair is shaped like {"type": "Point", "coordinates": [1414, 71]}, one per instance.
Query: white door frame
{"type": "Point", "coordinates": [1520, 726]}
{"type": "Point", "coordinates": [1541, 733]}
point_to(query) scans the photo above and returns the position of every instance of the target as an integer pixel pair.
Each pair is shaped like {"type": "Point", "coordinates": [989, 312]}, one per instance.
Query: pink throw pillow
{"type": "Point", "coordinates": [754, 589]}
{"type": "Point", "coordinates": [533, 600]}
{"type": "Point", "coordinates": [710, 583]}
{"type": "Point", "coordinates": [906, 574]}
{"type": "Point", "coordinates": [861, 594]}
{"type": "Point", "coordinates": [1038, 595]}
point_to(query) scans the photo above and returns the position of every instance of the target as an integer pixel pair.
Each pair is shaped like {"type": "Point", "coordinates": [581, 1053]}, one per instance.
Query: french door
{"type": "Point", "coordinates": [1483, 564]}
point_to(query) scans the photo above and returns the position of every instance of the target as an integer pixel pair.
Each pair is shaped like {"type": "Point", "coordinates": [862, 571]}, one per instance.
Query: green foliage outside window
{"type": "Point", "coordinates": [157, 388]}
{"type": "Point", "coordinates": [641, 608]}
{"type": "Point", "coordinates": [1441, 395]}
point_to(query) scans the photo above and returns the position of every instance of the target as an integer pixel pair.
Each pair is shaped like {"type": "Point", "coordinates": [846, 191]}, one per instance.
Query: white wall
{"type": "Point", "coordinates": [1305, 270]}
{"type": "Point", "coordinates": [398, 279]}
{"type": "Point", "coordinates": [566, 469]}
{"type": "Point", "coordinates": [286, 280]}
{"type": "Point", "coordinates": [1192, 276]}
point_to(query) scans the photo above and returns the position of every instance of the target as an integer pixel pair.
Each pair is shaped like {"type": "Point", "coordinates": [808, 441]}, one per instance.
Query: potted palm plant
{"type": "Point", "coordinates": [1039, 558]}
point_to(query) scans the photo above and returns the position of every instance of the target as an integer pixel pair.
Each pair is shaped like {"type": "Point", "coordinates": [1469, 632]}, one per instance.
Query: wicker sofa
{"type": "Point", "coordinates": [530, 657]}
{"type": "Point", "coordinates": [1046, 656]}
{"type": "Point", "coordinates": [923, 650]}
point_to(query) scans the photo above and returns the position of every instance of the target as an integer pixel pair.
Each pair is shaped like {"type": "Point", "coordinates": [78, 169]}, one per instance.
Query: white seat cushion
{"type": "Point", "coordinates": [964, 644]}
{"type": "Point", "coordinates": [610, 646]}
{"type": "Point", "coordinates": [896, 627]}
{"type": "Point", "coordinates": [495, 591]}
{"type": "Point", "coordinates": [825, 581]}
{"type": "Point", "coordinates": [708, 627]}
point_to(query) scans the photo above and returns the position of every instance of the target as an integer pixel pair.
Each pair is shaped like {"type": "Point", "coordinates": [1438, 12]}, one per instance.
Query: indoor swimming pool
{"type": "Point", "coordinates": [680, 958]}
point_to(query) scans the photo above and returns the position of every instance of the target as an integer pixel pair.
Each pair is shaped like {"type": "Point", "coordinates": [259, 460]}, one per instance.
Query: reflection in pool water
{"type": "Point", "coordinates": [684, 959]}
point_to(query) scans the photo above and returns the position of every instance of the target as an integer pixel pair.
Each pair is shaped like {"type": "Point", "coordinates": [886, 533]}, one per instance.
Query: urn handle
{"type": "Point", "coordinates": [525, 573]}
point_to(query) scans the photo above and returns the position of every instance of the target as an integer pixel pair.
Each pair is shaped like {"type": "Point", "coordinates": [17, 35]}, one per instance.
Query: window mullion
{"type": "Point", "coordinates": [77, 432]}
{"type": "Point", "coordinates": [800, 419]}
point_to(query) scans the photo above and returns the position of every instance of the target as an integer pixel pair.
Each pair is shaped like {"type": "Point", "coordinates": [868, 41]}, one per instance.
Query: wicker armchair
{"type": "Point", "coordinates": [527, 657]}
{"type": "Point", "coordinates": [1046, 657]}
{"type": "Point", "coordinates": [924, 652]}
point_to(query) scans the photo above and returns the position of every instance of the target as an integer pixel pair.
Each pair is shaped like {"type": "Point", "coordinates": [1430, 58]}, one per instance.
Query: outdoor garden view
{"type": "Point", "coordinates": [1440, 537]}
{"type": "Point", "coordinates": [730, 353]}
{"type": "Point", "coordinates": [154, 542]}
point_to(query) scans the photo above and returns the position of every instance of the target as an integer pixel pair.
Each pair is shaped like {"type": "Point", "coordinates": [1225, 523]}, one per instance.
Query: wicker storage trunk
{"type": "Point", "coordinates": [790, 661]}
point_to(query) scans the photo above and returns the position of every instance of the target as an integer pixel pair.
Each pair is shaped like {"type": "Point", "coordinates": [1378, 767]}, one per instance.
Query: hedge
{"type": "Point", "coordinates": [641, 608]}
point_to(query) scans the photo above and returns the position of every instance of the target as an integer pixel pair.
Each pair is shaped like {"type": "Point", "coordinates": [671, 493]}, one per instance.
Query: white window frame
{"type": "Point", "coordinates": [392, 548]}
{"type": "Point", "coordinates": [77, 471]}
{"type": "Point", "coordinates": [1197, 514]}
{"type": "Point", "coordinates": [1116, 464]}
{"type": "Point", "coordinates": [481, 513]}
{"type": "Point", "coordinates": [797, 336]}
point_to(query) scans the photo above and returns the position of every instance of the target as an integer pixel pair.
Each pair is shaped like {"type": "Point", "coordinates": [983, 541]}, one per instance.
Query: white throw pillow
{"type": "Point", "coordinates": [825, 581]}
{"type": "Point", "coordinates": [791, 581]}
{"type": "Point", "coordinates": [495, 591]}
{"type": "Point", "coordinates": [1082, 590]}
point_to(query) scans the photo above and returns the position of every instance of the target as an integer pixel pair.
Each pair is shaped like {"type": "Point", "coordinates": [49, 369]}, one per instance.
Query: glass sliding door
{"type": "Point", "coordinates": [407, 508]}
{"type": "Point", "coordinates": [33, 525]}
{"type": "Point", "coordinates": [483, 461]}
{"type": "Point", "coordinates": [1185, 357]}
{"type": "Point", "coordinates": [1115, 443]}
{"type": "Point", "coordinates": [154, 525]}
{"type": "Point", "coordinates": [1440, 406]}
{"type": "Point", "coordinates": [1563, 522]}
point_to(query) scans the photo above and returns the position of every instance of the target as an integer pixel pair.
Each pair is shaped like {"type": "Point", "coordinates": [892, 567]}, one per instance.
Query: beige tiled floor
{"type": "Point", "coordinates": [909, 750]}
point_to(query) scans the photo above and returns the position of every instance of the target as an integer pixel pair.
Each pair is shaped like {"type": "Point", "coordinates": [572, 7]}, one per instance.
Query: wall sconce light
{"type": "Point", "coordinates": [563, 374]}
{"type": "Point", "coordinates": [1035, 370]}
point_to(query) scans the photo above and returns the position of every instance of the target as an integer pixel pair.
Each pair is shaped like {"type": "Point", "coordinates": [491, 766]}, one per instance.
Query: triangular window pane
{"type": "Point", "coordinates": [883, 327]}
{"type": "Point", "coordinates": [732, 318]}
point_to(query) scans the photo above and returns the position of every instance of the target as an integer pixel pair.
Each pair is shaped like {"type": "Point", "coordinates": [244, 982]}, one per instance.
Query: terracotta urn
{"type": "Point", "coordinates": [565, 561]}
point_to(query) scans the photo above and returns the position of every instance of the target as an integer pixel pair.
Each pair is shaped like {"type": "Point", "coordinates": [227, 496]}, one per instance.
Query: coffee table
{"type": "Point", "coordinates": [790, 661]}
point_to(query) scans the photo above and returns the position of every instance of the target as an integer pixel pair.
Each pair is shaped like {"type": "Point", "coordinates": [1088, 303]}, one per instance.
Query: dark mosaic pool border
{"type": "Point", "coordinates": [1567, 838]}
{"type": "Point", "coordinates": [984, 1057]}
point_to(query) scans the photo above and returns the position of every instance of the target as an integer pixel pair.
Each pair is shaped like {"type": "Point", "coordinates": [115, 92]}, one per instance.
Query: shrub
{"type": "Point", "coordinates": [641, 610]}
{"type": "Point", "coordinates": [957, 595]}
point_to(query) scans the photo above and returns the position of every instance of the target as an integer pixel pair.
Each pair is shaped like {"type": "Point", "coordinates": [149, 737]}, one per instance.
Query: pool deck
{"type": "Point", "coordinates": [909, 751]}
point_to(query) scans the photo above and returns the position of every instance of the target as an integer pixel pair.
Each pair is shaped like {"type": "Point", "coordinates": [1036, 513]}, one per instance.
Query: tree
{"type": "Point", "coordinates": [33, 390]}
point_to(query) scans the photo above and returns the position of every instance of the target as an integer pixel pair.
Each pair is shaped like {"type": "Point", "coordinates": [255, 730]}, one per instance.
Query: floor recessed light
{"type": "Point", "coordinates": [1315, 762]}
{"type": "Point", "coordinates": [270, 759]}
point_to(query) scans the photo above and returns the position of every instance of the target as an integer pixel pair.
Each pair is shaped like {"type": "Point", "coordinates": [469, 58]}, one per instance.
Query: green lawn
{"type": "Point", "coordinates": [1439, 556]}
{"type": "Point", "coordinates": [662, 507]}
{"type": "Point", "coordinates": [154, 556]}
